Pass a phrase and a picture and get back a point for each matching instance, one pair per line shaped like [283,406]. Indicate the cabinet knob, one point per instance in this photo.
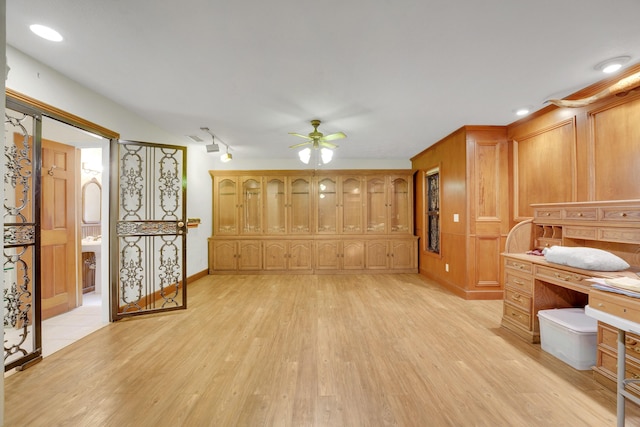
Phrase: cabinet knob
[579,213]
[623,214]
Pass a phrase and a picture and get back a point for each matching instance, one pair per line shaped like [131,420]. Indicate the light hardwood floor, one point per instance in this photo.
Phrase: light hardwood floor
[362,350]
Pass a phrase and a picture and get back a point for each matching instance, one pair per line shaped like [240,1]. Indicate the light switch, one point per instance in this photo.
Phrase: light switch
[456,218]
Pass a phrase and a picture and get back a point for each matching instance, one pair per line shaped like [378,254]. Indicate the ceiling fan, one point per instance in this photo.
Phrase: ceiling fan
[317,139]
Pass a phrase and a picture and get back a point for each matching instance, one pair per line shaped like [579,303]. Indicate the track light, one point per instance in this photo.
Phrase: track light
[226,157]
[215,147]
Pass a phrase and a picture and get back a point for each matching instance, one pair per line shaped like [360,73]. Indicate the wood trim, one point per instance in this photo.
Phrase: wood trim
[311,173]
[198,275]
[58,114]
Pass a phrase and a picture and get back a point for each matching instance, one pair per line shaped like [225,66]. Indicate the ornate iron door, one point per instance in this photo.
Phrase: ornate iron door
[21,260]
[149,225]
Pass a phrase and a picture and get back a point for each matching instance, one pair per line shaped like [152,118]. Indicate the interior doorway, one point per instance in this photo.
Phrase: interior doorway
[78,300]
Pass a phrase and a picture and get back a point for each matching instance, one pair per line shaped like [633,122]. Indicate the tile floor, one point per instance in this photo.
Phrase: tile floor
[64,329]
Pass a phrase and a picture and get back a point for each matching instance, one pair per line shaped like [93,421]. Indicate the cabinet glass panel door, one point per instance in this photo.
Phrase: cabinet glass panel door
[251,206]
[275,205]
[327,206]
[376,206]
[300,206]
[227,209]
[351,205]
[399,197]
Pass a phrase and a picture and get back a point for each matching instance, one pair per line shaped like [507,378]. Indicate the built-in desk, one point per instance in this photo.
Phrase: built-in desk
[622,313]
[532,284]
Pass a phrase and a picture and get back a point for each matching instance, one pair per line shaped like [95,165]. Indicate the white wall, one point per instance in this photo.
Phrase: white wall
[38,81]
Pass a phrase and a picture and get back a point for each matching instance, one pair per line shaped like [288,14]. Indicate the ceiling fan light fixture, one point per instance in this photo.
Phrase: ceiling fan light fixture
[612,65]
[326,155]
[305,155]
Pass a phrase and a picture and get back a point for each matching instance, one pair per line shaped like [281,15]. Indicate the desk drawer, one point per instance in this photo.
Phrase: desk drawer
[618,305]
[522,284]
[523,266]
[563,278]
[620,214]
[542,214]
[587,214]
[622,235]
[608,338]
[518,316]
[518,299]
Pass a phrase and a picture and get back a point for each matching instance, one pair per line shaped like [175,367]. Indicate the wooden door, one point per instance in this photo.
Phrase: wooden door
[299,256]
[328,255]
[353,255]
[377,255]
[275,255]
[59,255]
[224,255]
[249,255]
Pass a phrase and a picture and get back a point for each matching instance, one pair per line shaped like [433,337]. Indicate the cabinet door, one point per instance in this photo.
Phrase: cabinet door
[225,218]
[275,202]
[403,254]
[251,205]
[353,255]
[377,255]
[299,205]
[328,255]
[327,202]
[376,205]
[275,255]
[249,255]
[400,189]
[299,256]
[224,255]
[351,205]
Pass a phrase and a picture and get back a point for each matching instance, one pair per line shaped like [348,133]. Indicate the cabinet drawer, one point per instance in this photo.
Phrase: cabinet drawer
[518,316]
[618,305]
[542,242]
[519,283]
[581,214]
[609,363]
[620,214]
[543,214]
[622,235]
[608,338]
[563,278]
[518,299]
[518,265]
[589,233]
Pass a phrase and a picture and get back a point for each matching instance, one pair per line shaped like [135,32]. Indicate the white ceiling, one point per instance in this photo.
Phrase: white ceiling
[395,76]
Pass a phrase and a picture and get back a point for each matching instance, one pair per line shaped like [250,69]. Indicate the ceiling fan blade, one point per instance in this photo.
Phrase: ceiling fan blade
[328,144]
[300,145]
[334,136]
[300,135]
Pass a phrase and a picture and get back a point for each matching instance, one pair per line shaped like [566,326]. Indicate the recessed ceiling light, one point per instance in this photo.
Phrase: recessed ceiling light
[612,65]
[46,32]
[522,111]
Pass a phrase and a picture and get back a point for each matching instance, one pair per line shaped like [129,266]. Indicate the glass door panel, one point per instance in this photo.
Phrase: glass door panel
[251,205]
[227,208]
[327,206]
[351,205]
[275,203]
[399,205]
[376,206]
[300,206]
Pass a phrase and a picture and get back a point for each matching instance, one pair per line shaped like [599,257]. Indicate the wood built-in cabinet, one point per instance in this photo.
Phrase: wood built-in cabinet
[313,221]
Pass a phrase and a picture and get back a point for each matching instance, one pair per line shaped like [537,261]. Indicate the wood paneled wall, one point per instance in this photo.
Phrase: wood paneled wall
[473,165]
[590,153]
[490,176]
